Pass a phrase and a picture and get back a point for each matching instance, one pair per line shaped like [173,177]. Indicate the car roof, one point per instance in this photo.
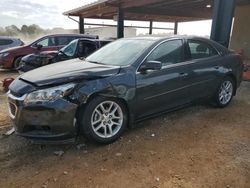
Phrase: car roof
[159,38]
[8,37]
[78,35]
[101,40]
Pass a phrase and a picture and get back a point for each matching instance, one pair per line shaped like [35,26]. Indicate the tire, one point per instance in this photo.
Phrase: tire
[103,120]
[16,63]
[225,92]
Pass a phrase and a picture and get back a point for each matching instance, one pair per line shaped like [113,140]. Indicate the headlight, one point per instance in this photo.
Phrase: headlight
[4,54]
[50,94]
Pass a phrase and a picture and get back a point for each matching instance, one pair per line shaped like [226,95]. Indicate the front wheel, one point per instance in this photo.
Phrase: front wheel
[225,92]
[17,62]
[103,120]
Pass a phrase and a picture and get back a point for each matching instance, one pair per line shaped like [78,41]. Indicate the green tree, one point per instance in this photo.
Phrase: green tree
[12,30]
[24,30]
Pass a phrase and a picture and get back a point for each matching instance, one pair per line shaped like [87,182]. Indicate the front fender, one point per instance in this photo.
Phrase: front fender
[120,86]
[85,90]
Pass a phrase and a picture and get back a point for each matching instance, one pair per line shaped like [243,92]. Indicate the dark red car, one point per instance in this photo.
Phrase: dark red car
[10,58]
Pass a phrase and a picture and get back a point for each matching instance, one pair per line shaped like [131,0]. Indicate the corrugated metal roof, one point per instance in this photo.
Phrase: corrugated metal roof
[145,10]
[85,7]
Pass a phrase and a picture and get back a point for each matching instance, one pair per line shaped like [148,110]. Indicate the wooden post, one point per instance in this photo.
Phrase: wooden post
[175,27]
[81,25]
[150,27]
[120,23]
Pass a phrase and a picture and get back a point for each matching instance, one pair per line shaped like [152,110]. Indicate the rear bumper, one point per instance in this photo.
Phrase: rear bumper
[240,75]
[49,121]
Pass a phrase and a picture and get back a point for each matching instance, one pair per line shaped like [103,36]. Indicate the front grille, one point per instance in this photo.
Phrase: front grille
[12,110]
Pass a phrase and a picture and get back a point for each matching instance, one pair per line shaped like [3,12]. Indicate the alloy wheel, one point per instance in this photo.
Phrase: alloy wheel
[107,119]
[226,92]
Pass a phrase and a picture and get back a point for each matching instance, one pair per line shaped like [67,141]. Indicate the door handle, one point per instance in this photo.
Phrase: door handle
[183,75]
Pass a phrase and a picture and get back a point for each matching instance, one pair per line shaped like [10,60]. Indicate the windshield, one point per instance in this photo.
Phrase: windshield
[70,49]
[122,52]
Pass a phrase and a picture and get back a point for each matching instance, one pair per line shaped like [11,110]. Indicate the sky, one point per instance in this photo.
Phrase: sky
[48,14]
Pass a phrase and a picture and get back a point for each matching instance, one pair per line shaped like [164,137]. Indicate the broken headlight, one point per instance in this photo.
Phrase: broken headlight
[50,94]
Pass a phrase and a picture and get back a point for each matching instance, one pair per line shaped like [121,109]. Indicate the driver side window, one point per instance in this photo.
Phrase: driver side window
[44,42]
[170,52]
[47,42]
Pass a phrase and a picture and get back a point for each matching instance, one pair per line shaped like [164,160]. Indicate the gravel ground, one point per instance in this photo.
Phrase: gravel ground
[197,147]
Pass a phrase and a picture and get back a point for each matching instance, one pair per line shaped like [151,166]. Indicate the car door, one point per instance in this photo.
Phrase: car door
[204,66]
[164,89]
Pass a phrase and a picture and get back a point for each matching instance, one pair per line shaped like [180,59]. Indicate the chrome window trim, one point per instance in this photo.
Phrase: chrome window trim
[189,62]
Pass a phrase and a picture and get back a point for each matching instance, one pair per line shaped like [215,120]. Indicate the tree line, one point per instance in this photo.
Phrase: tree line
[27,32]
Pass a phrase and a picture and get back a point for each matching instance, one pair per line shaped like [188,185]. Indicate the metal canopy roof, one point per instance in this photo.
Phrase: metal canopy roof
[146,10]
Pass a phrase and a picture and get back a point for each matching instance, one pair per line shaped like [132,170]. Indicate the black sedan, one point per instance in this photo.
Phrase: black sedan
[124,82]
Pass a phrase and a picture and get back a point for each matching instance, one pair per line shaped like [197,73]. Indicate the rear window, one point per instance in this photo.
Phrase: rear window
[4,42]
[200,49]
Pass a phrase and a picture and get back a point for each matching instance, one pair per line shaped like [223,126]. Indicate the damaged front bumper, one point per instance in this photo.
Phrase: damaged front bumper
[49,120]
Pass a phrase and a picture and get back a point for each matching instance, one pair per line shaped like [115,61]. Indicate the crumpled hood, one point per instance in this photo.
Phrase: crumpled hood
[43,54]
[68,71]
[32,58]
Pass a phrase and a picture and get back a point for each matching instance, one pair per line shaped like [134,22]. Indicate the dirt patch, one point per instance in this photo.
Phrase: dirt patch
[200,146]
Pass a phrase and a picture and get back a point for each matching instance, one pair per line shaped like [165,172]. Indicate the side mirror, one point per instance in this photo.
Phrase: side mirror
[150,65]
[39,46]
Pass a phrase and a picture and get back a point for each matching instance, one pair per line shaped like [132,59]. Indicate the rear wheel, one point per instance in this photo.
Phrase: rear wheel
[103,120]
[225,92]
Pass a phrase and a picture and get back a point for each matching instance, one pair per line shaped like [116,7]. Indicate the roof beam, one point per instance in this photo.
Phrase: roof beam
[138,3]
[180,3]
[170,12]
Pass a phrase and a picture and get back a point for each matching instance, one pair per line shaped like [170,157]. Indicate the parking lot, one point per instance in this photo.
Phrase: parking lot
[199,146]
